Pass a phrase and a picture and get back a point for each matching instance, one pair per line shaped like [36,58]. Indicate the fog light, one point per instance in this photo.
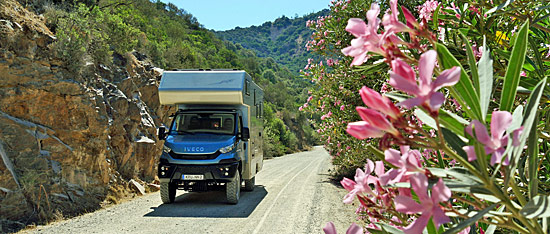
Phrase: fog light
[226,174]
[162,173]
[227,169]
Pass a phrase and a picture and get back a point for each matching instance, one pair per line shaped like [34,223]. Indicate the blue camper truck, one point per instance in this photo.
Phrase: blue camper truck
[215,138]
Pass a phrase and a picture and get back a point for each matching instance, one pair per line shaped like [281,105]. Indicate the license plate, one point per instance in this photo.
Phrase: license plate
[193,177]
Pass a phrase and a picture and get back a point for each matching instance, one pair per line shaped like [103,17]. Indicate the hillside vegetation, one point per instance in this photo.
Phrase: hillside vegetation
[79,101]
[172,38]
[284,39]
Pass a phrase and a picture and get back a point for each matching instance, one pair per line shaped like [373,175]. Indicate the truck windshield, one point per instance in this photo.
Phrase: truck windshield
[191,123]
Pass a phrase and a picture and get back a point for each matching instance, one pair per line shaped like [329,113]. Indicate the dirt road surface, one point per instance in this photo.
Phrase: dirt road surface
[293,194]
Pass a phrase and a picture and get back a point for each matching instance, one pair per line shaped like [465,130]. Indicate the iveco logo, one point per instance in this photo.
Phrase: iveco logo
[193,149]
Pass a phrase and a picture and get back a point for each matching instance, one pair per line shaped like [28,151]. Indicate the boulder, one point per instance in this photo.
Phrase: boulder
[153,187]
[137,187]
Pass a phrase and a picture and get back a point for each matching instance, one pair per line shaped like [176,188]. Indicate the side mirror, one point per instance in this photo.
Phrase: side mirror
[246,134]
[162,133]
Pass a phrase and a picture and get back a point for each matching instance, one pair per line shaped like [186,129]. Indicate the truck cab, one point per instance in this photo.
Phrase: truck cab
[214,139]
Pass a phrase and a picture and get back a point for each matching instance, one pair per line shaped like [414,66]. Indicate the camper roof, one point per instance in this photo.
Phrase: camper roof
[217,87]
[214,80]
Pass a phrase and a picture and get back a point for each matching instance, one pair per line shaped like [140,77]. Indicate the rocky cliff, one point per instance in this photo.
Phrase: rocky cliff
[69,141]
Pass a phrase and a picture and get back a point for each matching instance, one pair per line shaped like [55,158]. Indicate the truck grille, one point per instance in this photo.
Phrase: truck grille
[194,156]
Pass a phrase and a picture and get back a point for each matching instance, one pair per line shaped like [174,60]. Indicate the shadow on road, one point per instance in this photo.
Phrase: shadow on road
[210,205]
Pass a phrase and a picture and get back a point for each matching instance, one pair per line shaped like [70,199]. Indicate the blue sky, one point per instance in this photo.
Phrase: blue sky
[228,14]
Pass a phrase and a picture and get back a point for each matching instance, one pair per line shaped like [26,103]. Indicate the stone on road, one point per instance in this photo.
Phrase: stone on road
[293,194]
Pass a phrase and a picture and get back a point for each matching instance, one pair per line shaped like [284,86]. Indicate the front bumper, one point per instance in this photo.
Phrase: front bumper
[222,172]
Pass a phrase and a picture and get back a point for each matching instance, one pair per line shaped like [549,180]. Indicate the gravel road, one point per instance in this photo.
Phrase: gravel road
[293,194]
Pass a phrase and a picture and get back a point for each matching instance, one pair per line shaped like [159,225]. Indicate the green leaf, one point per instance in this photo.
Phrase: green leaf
[375,151]
[491,229]
[538,58]
[533,154]
[468,222]
[481,157]
[464,32]
[431,226]
[436,16]
[528,121]
[455,142]
[539,19]
[447,119]
[425,118]
[459,173]
[517,119]
[397,96]
[384,229]
[452,122]
[472,61]
[512,77]
[499,7]
[463,91]
[538,207]
[485,79]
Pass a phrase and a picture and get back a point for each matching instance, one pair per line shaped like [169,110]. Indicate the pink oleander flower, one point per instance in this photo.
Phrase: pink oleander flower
[391,22]
[403,78]
[353,229]
[465,231]
[478,52]
[384,88]
[455,9]
[367,37]
[429,205]
[407,163]
[374,100]
[496,143]
[426,10]
[361,184]
[301,108]
[374,124]
[522,73]
[327,115]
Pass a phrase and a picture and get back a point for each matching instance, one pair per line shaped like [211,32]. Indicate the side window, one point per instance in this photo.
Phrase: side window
[246,84]
[240,124]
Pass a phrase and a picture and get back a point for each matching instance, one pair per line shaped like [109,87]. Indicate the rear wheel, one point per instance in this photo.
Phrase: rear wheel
[167,192]
[249,184]
[233,189]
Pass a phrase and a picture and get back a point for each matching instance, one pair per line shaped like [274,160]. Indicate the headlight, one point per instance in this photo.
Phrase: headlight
[227,149]
[166,149]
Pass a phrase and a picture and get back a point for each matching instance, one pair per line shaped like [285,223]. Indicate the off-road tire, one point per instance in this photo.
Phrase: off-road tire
[167,192]
[249,184]
[233,189]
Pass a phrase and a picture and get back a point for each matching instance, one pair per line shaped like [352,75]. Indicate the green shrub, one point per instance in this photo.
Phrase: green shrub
[90,33]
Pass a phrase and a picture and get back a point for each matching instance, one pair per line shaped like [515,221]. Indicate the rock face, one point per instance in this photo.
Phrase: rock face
[68,141]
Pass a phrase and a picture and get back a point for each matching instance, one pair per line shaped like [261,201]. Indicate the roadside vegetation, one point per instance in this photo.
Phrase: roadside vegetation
[97,32]
[440,110]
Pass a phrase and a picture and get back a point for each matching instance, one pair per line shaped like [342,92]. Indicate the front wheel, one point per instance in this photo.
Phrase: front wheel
[249,184]
[233,189]
[167,192]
